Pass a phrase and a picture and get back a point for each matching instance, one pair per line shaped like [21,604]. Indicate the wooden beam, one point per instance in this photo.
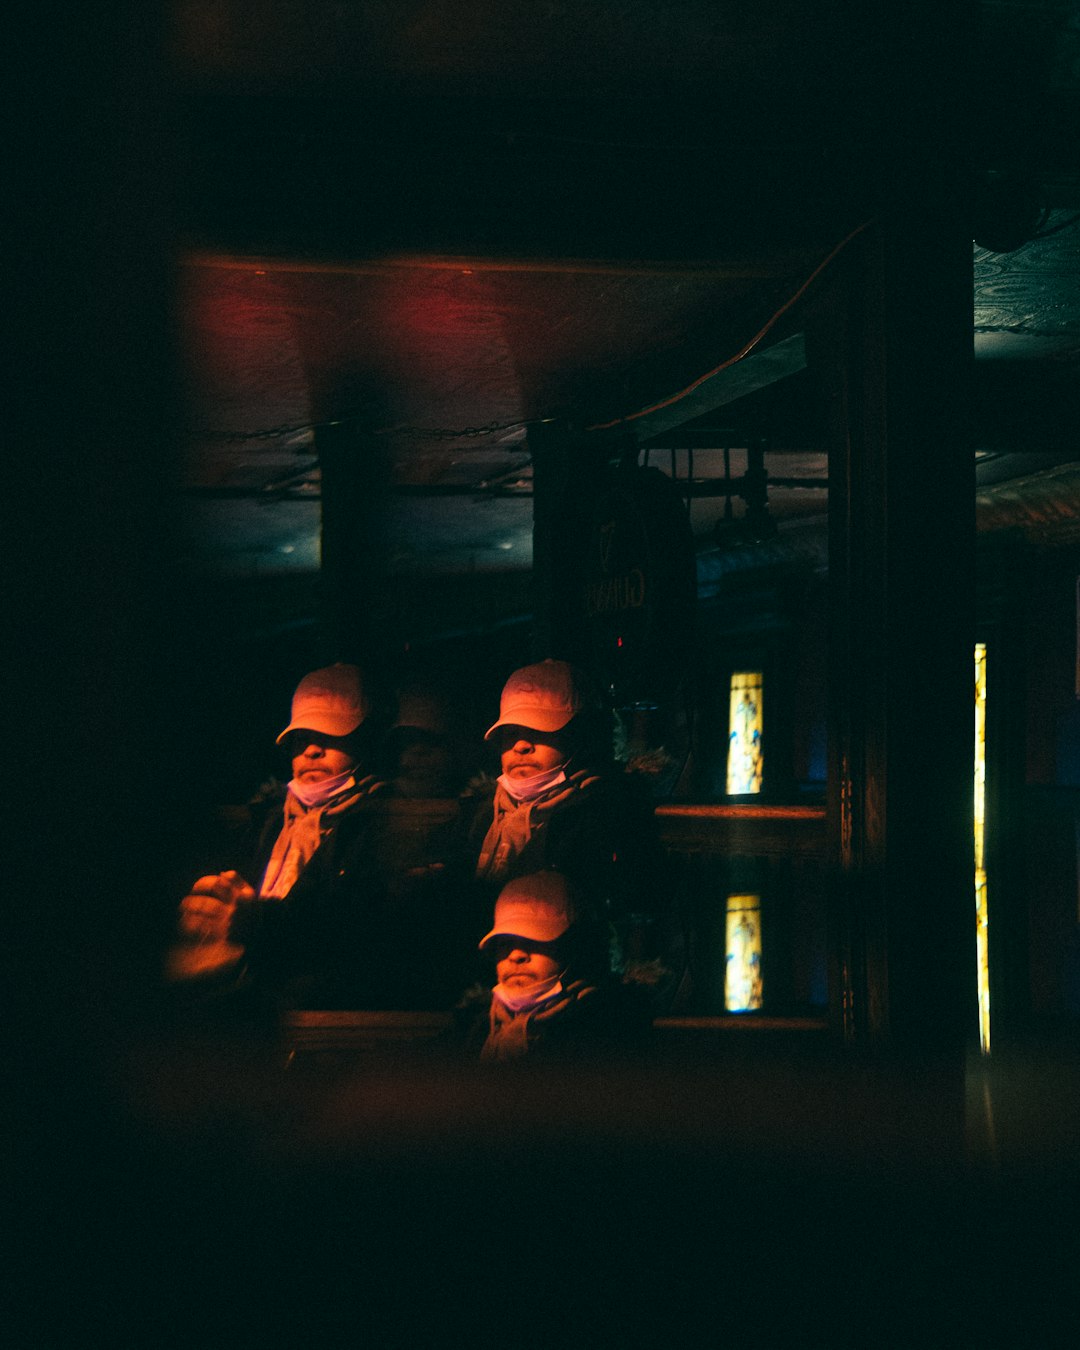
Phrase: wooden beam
[744,377]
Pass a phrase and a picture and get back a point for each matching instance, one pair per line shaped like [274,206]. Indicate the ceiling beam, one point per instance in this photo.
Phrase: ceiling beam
[722,438]
[731,383]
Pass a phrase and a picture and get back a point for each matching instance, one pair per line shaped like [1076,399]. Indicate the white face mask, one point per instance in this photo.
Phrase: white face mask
[533,996]
[528,789]
[318,794]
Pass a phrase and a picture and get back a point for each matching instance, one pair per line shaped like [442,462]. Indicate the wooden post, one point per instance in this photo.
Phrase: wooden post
[902,629]
[356,616]
[567,474]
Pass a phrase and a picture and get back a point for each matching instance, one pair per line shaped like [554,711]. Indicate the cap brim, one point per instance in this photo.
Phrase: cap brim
[546,936]
[328,727]
[532,719]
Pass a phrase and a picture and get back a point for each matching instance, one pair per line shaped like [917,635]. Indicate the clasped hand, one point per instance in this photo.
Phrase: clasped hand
[206,912]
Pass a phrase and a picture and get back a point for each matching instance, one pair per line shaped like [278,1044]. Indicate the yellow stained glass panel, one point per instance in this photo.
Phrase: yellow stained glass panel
[742,972]
[745,763]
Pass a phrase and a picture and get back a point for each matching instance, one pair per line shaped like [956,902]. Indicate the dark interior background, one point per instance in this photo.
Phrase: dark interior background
[165,154]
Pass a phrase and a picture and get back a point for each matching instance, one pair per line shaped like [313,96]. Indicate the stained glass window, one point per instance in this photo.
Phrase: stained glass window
[745,760]
[982,951]
[742,973]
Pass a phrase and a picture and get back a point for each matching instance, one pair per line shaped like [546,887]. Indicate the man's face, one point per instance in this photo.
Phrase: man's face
[520,963]
[525,753]
[316,756]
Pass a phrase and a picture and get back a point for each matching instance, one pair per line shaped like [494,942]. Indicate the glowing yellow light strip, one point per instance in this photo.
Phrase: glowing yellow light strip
[982,949]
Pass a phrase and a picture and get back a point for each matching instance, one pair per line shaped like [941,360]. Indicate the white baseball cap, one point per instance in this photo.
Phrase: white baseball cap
[542,697]
[538,908]
[332,700]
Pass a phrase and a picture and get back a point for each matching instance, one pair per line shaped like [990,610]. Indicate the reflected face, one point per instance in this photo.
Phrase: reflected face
[525,753]
[518,966]
[316,756]
[424,758]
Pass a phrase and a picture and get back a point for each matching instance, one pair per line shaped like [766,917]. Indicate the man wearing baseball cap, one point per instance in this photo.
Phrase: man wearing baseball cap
[305,920]
[549,806]
[554,989]
[560,804]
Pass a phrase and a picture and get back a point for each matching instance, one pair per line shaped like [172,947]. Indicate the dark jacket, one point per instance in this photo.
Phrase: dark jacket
[372,921]
[598,1021]
[602,838]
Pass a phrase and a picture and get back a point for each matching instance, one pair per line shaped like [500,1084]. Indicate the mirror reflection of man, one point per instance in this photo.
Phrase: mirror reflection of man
[559,802]
[548,808]
[554,991]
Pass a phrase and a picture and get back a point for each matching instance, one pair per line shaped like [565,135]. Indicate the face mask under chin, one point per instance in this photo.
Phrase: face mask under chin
[528,789]
[318,794]
[533,996]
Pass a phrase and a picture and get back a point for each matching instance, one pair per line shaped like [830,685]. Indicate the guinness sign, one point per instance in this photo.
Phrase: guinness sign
[637,593]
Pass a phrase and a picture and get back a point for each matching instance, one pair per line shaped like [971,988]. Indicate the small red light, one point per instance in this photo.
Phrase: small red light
[618,642]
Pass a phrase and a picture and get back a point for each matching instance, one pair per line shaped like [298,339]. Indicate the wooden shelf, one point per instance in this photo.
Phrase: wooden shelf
[743,830]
